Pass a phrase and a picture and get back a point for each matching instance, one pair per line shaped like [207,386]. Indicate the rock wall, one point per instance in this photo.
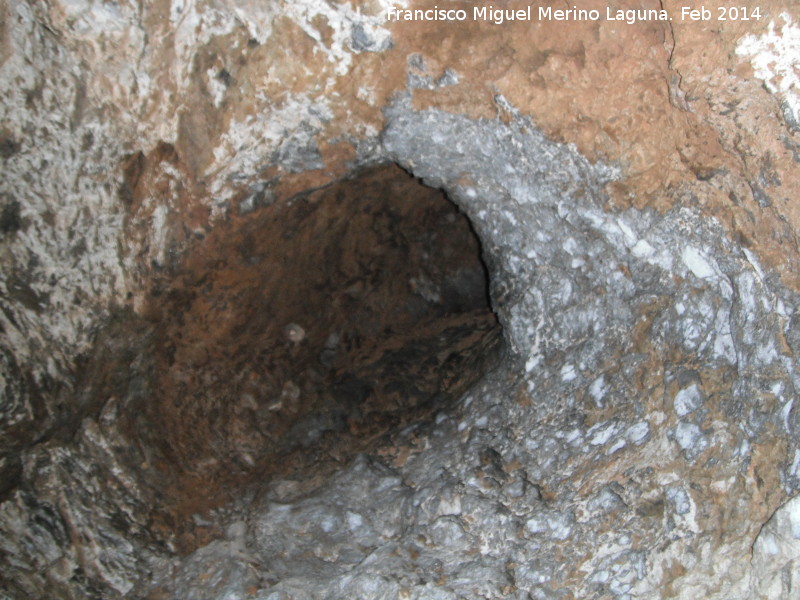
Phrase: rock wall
[632,187]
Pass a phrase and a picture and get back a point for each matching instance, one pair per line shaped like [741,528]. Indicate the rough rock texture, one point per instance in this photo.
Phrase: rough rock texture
[633,189]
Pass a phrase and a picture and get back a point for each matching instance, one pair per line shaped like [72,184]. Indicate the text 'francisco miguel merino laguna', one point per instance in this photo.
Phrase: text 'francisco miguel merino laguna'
[543,13]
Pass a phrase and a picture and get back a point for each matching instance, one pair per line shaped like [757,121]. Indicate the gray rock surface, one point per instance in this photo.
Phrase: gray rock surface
[639,439]
[618,464]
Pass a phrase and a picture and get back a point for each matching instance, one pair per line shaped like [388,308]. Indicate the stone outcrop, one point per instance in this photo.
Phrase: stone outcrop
[298,302]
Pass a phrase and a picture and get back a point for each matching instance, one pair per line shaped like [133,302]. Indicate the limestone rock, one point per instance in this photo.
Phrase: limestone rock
[246,351]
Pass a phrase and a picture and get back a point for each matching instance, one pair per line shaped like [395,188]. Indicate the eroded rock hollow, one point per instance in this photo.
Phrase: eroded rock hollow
[306,330]
[302,302]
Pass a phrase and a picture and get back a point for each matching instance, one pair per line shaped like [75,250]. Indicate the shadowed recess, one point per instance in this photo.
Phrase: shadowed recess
[293,338]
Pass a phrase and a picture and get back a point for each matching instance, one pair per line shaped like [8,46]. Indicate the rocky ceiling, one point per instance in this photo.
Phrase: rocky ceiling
[299,302]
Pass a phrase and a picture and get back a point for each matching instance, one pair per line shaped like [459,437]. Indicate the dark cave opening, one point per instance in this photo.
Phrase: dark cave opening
[291,339]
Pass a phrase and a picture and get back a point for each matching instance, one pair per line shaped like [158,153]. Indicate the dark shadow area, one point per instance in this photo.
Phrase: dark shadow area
[291,339]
